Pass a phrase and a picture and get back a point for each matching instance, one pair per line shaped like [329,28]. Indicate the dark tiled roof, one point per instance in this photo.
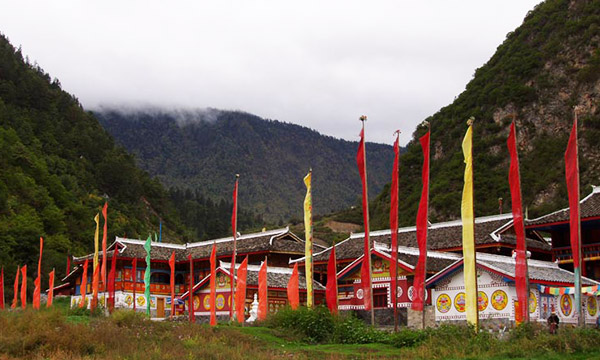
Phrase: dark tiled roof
[436,260]
[488,230]
[589,207]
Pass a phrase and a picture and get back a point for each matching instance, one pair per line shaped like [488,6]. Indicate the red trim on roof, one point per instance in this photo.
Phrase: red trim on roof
[565,222]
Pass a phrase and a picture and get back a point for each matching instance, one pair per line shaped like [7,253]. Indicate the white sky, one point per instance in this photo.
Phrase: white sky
[320,64]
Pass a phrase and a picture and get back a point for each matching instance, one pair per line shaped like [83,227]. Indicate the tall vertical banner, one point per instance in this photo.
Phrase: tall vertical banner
[16,290]
[213,285]
[422,223]
[104,237]
[234,254]
[240,291]
[112,274]
[148,248]
[514,180]
[262,292]
[2,290]
[68,265]
[192,314]
[172,282]
[134,276]
[308,246]
[96,268]
[37,290]
[83,286]
[365,272]
[293,290]
[24,286]
[331,288]
[394,230]
[468,233]
[50,289]
[572,177]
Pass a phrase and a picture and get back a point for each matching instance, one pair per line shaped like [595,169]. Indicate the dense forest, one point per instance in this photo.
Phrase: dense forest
[543,69]
[202,150]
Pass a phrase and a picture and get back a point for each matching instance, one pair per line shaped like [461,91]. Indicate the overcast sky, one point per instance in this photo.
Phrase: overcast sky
[320,64]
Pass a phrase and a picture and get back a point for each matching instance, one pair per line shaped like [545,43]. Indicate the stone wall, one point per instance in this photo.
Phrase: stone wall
[415,318]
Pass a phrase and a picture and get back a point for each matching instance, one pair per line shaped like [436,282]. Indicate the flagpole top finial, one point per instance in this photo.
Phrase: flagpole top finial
[237,175]
[471,121]
[397,132]
[363,118]
[425,123]
[309,169]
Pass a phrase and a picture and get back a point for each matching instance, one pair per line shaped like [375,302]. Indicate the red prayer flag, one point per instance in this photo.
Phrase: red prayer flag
[104,236]
[83,286]
[172,266]
[233,255]
[16,290]
[240,291]
[572,176]
[394,228]
[422,217]
[331,289]
[24,286]
[2,290]
[293,291]
[68,265]
[95,284]
[38,280]
[213,286]
[192,315]
[112,274]
[262,291]
[517,211]
[50,289]
[366,263]
[134,276]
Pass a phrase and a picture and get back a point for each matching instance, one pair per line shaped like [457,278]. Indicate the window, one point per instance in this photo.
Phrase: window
[380,298]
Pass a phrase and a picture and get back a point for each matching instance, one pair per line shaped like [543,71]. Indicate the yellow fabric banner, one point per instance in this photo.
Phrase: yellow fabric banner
[468,221]
[308,252]
[96,236]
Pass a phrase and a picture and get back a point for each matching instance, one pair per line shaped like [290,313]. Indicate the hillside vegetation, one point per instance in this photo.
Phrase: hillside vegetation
[543,69]
[202,150]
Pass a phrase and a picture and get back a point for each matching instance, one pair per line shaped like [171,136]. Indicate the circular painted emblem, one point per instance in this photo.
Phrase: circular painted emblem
[220,302]
[482,301]
[459,302]
[141,301]
[499,300]
[221,280]
[592,305]
[196,302]
[443,303]
[532,302]
[206,303]
[359,294]
[566,305]
[129,300]
[399,291]
[411,293]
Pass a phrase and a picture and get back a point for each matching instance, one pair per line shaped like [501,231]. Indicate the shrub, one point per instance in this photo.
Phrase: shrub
[350,330]
[313,325]
[127,318]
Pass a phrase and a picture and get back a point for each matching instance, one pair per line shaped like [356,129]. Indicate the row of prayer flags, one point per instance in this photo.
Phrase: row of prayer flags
[588,290]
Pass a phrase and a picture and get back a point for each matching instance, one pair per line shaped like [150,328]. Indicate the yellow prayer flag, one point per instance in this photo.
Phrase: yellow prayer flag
[96,236]
[468,221]
[308,252]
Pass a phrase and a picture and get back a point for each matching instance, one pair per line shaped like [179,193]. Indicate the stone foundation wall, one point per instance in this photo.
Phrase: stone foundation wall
[415,318]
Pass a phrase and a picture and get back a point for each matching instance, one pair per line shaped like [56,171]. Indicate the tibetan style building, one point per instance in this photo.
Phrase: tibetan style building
[278,246]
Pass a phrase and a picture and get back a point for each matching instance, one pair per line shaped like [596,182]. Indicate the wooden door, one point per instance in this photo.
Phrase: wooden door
[160,307]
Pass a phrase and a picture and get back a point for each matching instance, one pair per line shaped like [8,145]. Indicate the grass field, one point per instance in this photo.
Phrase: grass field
[63,334]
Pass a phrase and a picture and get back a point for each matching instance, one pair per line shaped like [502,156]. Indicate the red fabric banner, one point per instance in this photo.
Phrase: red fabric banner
[366,264]
[262,292]
[518,224]
[95,285]
[192,315]
[2,290]
[104,236]
[24,286]
[172,282]
[16,290]
[213,286]
[134,278]
[394,227]
[83,286]
[240,291]
[112,274]
[68,265]
[293,291]
[37,289]
[233,254]
[422,220]
[572,176]
[50,289]
[331,289]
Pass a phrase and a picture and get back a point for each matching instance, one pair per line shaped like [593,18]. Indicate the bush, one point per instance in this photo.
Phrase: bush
[127,318]
[407,338]
[312,325]
[350,330]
